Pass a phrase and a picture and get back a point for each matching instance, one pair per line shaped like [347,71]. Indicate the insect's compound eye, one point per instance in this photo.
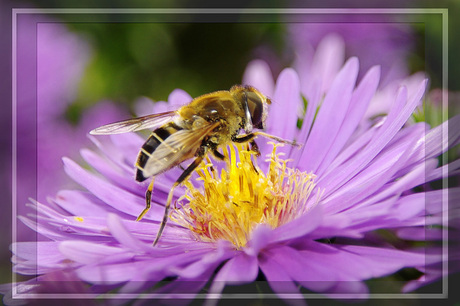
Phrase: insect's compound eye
[256,109]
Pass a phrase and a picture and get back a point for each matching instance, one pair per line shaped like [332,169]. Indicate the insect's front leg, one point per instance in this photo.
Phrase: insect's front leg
[249,137]
[278,139]
[217,154]
[245,138]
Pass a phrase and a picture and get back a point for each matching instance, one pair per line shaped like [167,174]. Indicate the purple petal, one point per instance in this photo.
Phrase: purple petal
[358,104]
[410,206]
[258,74]
[370,179]
[352,263]
[64,228]
[79,203]
[350,151]
[408,181]
[347,271]
[144,106]
[172,236]
[330,117]
[378,262]
[32,258]
[437,140]
[182,290]
[87,252]
[260,238]
[209,261]
[122,235]
[451,169]
[128,266]
[71,224]
[320,72]
[178,98]
[298,227]
[371,214]
[415,131]
[349,290]
[335,225]
[238,270]
[119,199]
[113,273]
[308,273]
[107,147]
[394,121]
[381,102]
[283,110]
[280,281]
[45,229]
[420,233]
[111,172]
[310,113]
[329,59]
[129,144]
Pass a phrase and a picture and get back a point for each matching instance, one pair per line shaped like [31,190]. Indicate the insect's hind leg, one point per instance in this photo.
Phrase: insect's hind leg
[181,178]
[148,200]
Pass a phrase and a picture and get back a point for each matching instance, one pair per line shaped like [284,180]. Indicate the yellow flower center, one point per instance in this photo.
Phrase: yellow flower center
[232,202]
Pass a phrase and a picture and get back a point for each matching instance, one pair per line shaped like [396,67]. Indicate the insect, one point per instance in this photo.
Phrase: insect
[192,131]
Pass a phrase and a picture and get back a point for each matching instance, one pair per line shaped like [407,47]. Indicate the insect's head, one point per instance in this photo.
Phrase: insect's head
[255,105]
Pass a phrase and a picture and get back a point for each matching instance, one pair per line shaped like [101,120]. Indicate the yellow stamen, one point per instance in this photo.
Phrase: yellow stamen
[233,203]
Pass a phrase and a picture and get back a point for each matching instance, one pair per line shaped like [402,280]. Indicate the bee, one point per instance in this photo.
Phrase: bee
[192,131]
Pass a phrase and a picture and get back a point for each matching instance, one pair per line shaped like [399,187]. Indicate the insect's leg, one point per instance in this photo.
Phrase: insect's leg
[249,137]
[278,139]
[254,147]
[217,154]
[243,138]
[148,199]
[181,178]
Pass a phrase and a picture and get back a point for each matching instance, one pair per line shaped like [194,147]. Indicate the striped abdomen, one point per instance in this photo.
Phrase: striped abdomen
[152,143]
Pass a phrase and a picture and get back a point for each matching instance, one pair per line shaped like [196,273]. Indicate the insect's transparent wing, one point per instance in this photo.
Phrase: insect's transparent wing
[135,124]
[176,148]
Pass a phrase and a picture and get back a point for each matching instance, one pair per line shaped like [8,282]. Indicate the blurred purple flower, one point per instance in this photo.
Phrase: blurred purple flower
[364,182]
[50,63]
[382,41]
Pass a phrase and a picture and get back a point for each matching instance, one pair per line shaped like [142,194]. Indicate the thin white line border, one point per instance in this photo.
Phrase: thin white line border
[261,11]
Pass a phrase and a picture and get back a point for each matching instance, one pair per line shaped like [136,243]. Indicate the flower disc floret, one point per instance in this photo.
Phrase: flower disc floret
[235,200]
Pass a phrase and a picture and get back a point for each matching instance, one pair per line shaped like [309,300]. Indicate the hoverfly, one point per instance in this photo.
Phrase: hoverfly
[195,129]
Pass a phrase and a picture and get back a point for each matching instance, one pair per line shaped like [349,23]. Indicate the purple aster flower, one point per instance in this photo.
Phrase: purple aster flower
[293,217]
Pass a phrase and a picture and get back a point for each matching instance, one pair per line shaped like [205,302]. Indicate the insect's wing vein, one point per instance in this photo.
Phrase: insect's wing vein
[176,148]
[135,124]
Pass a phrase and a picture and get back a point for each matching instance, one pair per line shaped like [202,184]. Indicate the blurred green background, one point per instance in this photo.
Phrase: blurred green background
[133,59]
[152,59]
